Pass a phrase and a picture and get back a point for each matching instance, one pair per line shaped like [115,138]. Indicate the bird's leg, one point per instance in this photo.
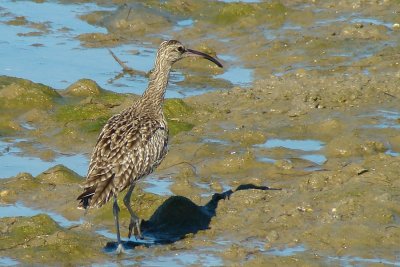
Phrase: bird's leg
[135,221]
[115,212]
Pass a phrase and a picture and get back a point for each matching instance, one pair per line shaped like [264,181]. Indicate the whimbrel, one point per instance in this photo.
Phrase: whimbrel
[133,143]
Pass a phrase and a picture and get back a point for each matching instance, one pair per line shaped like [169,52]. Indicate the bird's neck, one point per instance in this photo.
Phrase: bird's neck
[158,81]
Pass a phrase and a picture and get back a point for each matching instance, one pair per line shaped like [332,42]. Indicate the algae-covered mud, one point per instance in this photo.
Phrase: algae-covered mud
[289,156]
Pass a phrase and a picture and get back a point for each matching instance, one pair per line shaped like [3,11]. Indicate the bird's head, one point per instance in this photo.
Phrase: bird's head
[173,51]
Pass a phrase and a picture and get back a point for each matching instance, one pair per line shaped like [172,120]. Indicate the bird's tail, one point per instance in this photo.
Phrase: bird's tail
[85,197]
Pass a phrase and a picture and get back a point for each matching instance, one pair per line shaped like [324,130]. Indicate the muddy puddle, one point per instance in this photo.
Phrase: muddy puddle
[288,156]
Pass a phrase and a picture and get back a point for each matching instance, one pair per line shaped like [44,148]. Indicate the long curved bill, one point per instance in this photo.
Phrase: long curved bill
[194,53]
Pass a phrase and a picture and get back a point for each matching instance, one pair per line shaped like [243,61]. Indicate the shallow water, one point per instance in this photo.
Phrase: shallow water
[58,53]
[158,185]
[5,261]
[178,258]
[289,251]
[244,1]
[305,145]
[347,261]
[184,259]
[19,209]
[61,57]
[385,119]
[309,150]
[14,161]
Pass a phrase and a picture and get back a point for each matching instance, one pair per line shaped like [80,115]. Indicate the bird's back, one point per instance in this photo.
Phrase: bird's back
[131,145]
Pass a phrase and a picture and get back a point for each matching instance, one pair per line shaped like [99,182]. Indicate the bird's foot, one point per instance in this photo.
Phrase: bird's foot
[135,226]
[120,249]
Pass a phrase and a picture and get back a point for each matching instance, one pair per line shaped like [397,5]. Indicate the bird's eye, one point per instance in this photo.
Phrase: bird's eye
[181,49]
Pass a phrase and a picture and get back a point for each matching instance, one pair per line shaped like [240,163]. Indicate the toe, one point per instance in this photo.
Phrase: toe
[120,249]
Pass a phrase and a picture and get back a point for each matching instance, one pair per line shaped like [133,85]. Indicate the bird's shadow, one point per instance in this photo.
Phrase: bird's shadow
[177,217]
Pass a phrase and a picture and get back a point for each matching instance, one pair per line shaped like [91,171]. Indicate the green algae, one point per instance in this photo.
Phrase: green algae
[40,240]
[221,13]
[89,92]
[56,189]
[81,119]
[17,94]
[25,187]
[21,184]
[189,7]
[59,174]
[176,107]
[83,87]
[94,17]
[111,99]
[142,21]
[253,13]
[99,39]
[21,230]
[94,126]
[87,107]
[77,113]
[91,114]
[176,127]
[233,12]
[176,110]
[7,124]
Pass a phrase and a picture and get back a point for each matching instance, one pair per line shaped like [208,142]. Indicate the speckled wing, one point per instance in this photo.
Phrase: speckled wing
[128,148]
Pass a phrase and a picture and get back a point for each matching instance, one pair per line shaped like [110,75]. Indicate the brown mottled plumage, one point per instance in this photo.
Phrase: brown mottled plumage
[133,143]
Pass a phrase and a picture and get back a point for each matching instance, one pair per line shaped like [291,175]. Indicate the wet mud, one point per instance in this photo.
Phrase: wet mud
[320,121]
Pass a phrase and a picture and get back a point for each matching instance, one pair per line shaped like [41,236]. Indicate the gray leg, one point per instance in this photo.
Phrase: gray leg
[115,212]
[135,220]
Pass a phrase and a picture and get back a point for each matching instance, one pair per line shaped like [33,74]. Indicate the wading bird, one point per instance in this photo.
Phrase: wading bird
[133,143]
